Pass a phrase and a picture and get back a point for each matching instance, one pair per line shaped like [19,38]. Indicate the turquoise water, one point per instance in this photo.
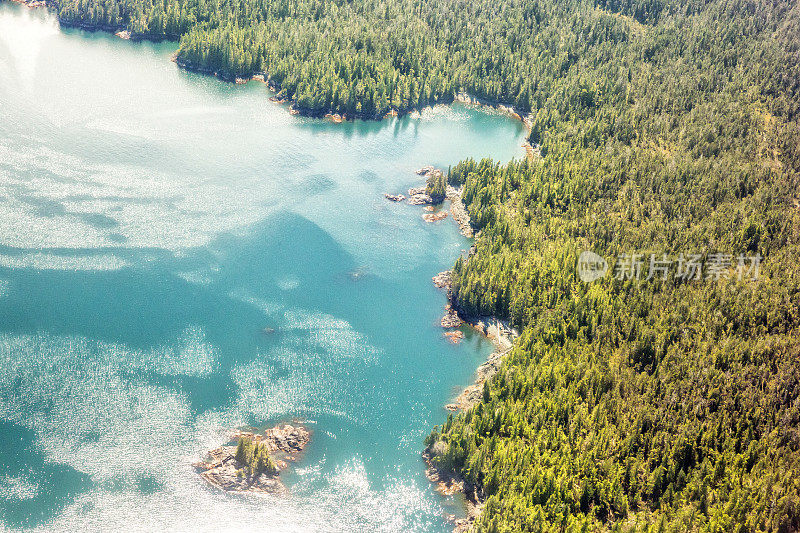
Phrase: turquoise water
[153,223]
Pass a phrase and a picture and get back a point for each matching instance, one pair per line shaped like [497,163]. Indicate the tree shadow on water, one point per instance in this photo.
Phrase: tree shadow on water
[285,261]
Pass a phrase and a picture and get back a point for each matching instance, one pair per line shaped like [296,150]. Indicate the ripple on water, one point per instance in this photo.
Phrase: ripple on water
[177,258]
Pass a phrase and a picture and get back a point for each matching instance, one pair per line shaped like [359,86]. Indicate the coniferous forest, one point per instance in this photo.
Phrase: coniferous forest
[665,127]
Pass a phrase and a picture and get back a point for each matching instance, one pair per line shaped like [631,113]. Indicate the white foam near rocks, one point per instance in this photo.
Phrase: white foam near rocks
[65,388]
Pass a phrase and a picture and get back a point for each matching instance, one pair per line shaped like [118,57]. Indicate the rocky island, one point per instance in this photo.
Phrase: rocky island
[255,462]
[436,190]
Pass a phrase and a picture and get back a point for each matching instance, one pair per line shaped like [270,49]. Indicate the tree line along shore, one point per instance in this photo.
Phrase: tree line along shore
[665,127]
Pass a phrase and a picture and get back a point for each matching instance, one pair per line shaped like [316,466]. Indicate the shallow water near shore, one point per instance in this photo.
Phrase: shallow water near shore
[180,257]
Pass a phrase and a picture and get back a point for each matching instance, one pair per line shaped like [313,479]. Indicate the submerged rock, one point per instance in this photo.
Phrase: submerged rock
[394,197]
[434,217]
[454,336]
[357,274]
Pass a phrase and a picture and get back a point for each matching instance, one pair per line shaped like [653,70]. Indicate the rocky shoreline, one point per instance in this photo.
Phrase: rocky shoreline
[275,87]
[503,336]
[294,109]
[494,329]
[448,484]
[123,32]
[420,196]
[120,31]
[459,212]
[284,443]
[466,98]
[498,331]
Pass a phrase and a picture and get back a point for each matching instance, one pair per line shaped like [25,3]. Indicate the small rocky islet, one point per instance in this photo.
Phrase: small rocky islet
[255,462]
[436,191]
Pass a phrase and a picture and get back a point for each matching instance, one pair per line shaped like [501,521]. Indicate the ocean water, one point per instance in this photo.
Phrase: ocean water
[153,223]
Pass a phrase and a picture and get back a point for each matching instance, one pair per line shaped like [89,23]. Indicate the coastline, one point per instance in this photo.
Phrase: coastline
[124,33]
[490,327]
[448,482]
[502,335]
[335,116]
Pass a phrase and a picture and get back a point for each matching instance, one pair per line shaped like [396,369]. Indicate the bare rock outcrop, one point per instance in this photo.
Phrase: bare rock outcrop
[443,280]
[451,318]
[472,394]
[394,197]
[434,217]
[419,199]
[459,212]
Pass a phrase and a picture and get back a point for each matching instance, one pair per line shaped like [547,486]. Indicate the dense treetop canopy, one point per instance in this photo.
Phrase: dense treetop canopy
[369,56]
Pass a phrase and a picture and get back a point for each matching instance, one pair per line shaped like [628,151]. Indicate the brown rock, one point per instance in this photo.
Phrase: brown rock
[472,394]
[451,318]
[459,212]
[419,199]
[434,217]
[454,336]
[443,280]
[222,470]
[394,197]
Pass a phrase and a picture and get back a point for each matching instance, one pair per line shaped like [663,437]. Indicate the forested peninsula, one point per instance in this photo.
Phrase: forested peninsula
[665,127]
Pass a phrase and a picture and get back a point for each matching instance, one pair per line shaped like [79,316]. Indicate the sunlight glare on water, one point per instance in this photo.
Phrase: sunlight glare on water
[180,257]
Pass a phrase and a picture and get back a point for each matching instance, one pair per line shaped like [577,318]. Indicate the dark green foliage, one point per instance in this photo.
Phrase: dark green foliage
[645,405]
[436,186]
[557,58]
[642,401]
[254,458]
